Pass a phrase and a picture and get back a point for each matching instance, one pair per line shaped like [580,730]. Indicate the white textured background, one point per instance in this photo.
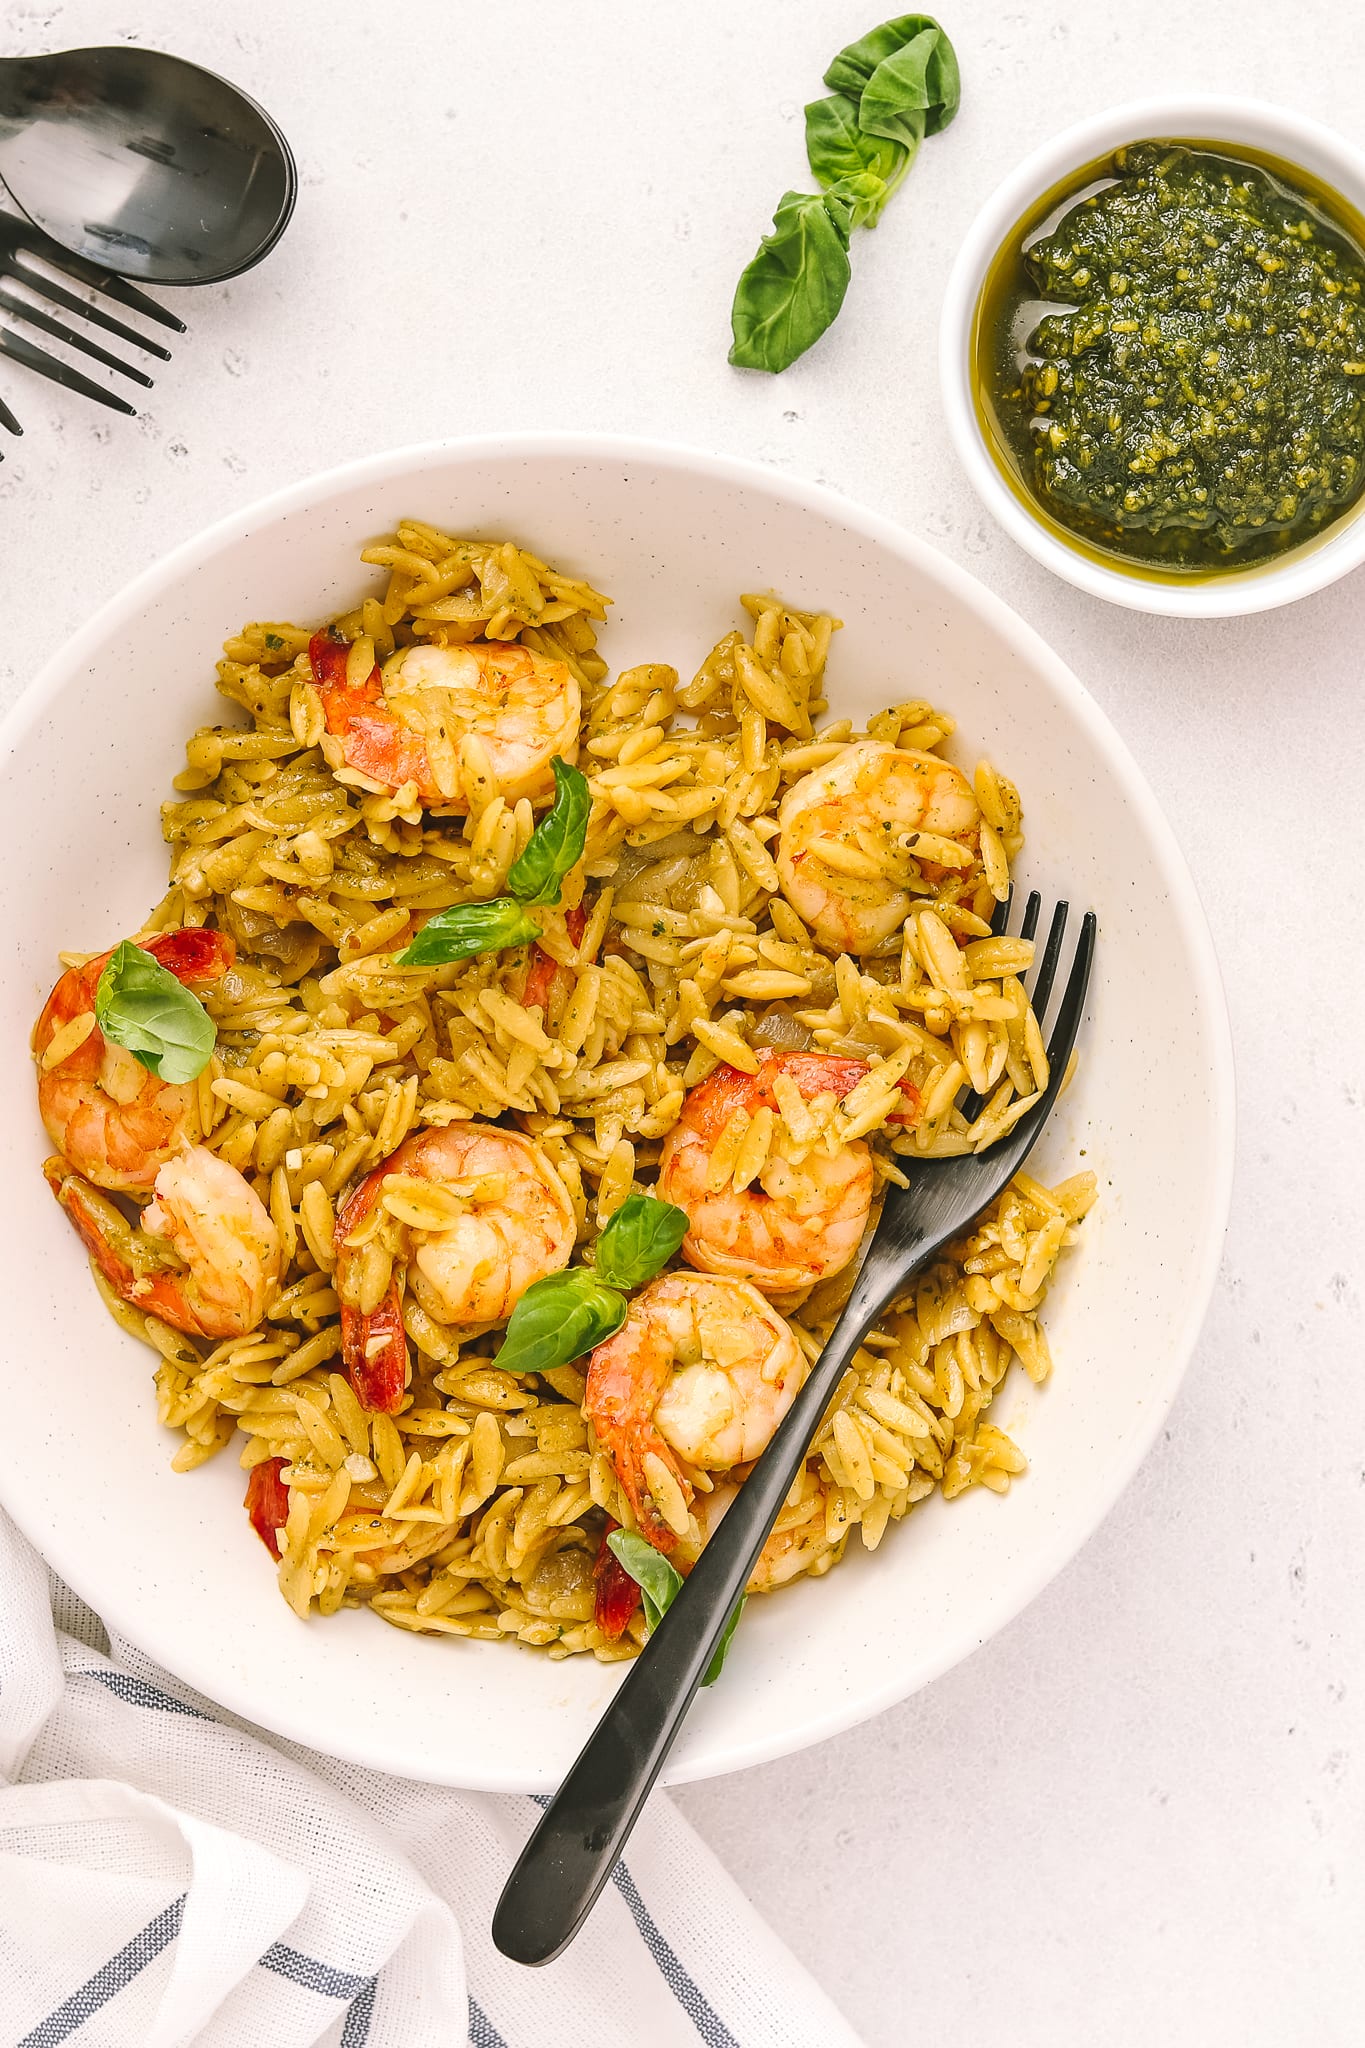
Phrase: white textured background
[1139,1815]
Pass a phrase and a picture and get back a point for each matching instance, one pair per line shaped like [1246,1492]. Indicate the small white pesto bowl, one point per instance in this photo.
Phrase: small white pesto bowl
[1236,123]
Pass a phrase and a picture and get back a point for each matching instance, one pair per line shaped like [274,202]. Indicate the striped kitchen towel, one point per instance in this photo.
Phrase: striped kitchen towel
[171,1876]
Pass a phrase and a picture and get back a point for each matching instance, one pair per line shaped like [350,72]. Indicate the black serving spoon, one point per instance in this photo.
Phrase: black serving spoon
[143,164]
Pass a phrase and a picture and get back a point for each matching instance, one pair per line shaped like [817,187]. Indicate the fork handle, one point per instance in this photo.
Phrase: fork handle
[576,1845]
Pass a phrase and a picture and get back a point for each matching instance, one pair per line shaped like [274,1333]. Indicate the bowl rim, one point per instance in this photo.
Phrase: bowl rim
[1208,117]
[158,1638]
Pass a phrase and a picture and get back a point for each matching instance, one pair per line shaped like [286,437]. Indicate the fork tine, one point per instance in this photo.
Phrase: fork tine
[1016,1147]
[46,288]
[35,317]
[23,236]
[1052,952]
[1000,916]
[1029,924]
[22,351]
[7,419]
[1069,1015]
[126,294]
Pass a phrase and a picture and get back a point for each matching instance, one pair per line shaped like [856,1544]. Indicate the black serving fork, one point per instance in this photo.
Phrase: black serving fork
[20,245]
[585,1826]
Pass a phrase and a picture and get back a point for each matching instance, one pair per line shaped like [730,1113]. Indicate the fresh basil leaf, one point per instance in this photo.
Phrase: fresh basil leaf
[717,1664]
[469,928]
[558,1319]
[557,843]
[856,202]
[841,153]
[660,1583]
[140,1005]
[638,1240]
[792,290]
[915,93]
[904,78]
[850,71]
[658,1580]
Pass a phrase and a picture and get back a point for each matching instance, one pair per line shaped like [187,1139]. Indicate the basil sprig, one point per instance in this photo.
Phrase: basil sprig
[793,289]
[557,843]
[567,1314]
[903,78]
[638,1241]
[469,928]
[660,1583]
[140,1005]
[891,88]
[535,877]
[859,171]
[558,1319]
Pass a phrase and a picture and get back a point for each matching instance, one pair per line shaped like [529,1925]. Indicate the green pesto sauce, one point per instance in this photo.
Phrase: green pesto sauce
[1173,365]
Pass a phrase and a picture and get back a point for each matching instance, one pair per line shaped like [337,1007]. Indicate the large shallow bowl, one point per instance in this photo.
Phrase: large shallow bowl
[170,1561]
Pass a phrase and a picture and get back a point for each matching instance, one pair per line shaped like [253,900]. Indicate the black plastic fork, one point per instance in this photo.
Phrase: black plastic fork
[20,244]
[585,1827]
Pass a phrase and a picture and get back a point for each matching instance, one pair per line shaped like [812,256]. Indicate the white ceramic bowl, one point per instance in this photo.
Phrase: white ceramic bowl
[1250,124]
[170,1561]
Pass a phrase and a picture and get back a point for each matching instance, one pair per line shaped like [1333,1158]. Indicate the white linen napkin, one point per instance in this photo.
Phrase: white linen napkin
[169,1875]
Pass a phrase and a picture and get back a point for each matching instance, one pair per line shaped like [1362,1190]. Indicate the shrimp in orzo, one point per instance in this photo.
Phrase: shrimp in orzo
[854,834]
[109,1117]
[800,1539]
[802,1217]
[207,1255]
[695,1381]
[402,724]
[465,1217]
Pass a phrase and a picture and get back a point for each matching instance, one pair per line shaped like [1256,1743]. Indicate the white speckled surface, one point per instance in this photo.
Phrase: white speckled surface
[1139,1814]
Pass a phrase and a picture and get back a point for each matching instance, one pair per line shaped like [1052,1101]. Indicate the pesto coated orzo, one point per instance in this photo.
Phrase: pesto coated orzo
[483,1127]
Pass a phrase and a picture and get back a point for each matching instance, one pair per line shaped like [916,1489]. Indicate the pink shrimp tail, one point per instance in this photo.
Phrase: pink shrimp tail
[374,1346]
[330,655]
[374,1350]
[373,741]
[626,1375]
[165,1294]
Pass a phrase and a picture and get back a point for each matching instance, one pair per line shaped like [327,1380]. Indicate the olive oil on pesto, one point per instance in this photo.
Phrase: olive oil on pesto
[1170,358]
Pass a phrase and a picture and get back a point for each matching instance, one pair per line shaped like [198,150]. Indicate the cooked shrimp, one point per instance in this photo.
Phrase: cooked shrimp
[799,1221]
[847,831]
[700,1374]
[404,723]
[466,1217]
[798,1541]
[206,1257]
[110,1118]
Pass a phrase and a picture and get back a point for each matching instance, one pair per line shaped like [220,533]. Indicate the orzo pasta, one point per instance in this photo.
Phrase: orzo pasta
[765,990]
